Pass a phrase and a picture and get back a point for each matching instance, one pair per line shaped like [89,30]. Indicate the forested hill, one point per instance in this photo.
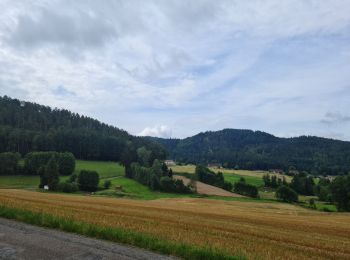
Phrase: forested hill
[248,149]
[26,127]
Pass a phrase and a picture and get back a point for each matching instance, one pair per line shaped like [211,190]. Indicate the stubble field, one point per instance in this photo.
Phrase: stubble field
[252,229]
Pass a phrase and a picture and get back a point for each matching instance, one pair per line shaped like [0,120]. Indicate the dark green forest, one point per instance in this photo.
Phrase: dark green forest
[27,127]
[255,150]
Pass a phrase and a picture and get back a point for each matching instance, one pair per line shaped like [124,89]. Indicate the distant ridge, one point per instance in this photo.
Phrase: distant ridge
[247,149]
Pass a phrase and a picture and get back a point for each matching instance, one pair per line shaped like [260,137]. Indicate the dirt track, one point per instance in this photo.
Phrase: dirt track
[203,188]
[22,241]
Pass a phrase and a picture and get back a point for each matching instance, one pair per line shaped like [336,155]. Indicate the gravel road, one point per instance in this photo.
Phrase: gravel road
[22,241]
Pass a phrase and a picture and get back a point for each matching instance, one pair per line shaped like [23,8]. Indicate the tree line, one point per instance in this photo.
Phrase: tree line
[27,127]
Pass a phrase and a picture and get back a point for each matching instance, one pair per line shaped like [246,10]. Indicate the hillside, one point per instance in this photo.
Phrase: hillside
[26,126]
[254,150]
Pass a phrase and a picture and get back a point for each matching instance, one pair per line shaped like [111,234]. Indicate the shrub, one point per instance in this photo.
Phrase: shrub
[286,194]
[88,180]
[9,163]
[107,184]
[67,187]
[246,189]
[73,178]
[228,186]
[66,162]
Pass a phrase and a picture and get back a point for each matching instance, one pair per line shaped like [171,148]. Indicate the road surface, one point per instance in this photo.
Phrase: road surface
[22,241]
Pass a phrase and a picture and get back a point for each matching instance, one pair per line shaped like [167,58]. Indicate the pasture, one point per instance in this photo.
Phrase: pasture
[254,230]
[105,170]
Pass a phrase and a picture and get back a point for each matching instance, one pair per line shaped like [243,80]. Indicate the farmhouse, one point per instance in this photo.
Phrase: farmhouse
[169,163]
[214,165]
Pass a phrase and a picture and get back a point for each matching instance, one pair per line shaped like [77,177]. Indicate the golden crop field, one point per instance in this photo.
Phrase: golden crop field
[254,229]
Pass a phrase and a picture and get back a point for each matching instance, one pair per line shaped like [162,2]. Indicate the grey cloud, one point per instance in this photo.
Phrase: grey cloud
[335,118]
[61,28]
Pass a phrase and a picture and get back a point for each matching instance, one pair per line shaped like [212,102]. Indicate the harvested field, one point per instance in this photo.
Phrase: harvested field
[206,189]
[256,230]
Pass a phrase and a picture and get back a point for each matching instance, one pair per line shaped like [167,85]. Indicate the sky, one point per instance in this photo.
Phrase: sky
[176,68]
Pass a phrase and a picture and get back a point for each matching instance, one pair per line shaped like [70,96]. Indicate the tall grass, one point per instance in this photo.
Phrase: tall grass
[114,234]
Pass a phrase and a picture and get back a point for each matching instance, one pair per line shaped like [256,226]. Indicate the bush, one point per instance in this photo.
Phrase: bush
[9,163]
[49,175]
[286,194]
[67,187]
[66,162]
[88,180]
[246,189]
[107,184]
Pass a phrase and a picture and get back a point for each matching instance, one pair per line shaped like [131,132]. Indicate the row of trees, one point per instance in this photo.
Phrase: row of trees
[9,163]
[272,181]
[246,189]
[157,177]
[204,174]
[34,160]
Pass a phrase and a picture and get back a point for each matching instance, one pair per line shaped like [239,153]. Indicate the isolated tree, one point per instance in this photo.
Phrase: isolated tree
[340,190]
[144,156]
[286,194]
[49,175]
[66,162]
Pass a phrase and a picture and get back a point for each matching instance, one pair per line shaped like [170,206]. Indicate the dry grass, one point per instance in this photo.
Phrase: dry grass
[257,230]
[206,189]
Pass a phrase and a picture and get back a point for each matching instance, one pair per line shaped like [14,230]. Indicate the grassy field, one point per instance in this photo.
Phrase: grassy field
[105,170]
[29,182]
[135,190]
[255,230]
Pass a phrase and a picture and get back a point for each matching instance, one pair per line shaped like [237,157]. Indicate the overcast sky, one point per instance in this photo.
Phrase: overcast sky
[176,68]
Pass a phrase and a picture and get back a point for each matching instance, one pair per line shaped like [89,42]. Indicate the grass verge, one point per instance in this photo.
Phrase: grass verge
[145,241]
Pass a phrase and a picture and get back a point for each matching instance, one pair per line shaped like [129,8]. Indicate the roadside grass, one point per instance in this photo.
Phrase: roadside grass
[119,235]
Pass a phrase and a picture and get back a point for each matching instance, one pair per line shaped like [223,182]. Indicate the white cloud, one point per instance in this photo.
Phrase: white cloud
[194,66]
[157,131]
